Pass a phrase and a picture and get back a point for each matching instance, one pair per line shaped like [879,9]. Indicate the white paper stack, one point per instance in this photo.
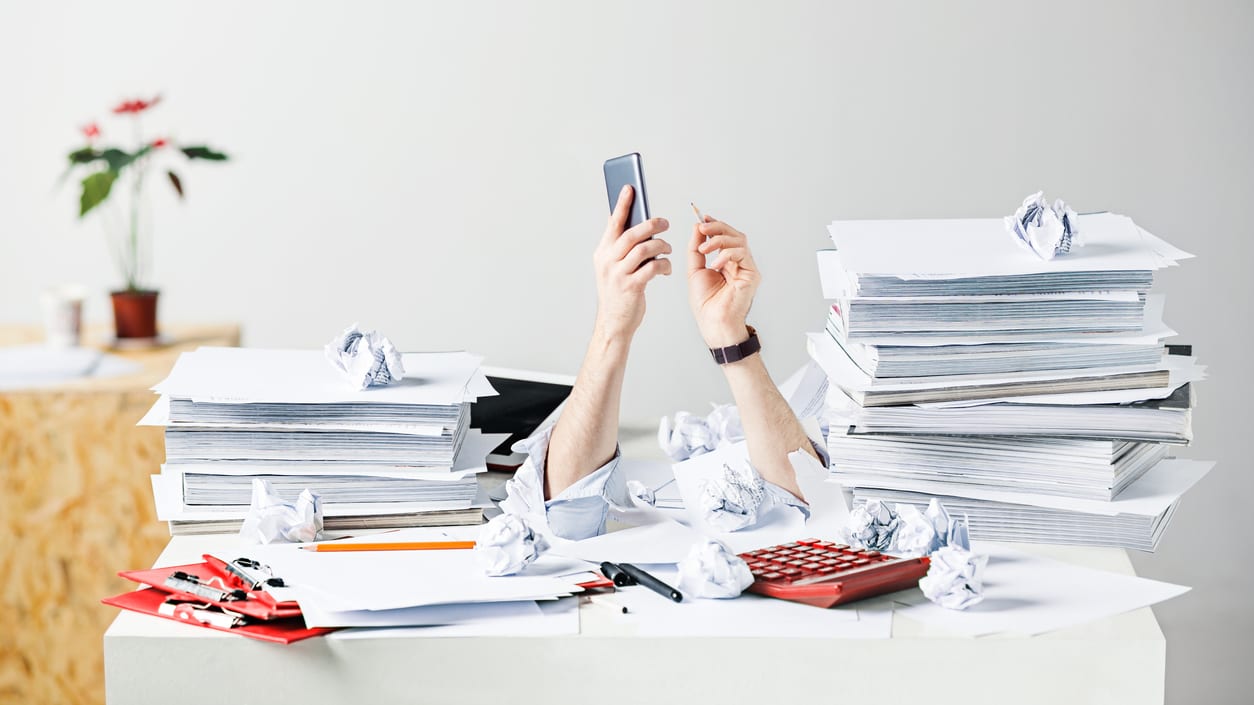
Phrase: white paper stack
[379,458]
[1023,391]
[1135,519]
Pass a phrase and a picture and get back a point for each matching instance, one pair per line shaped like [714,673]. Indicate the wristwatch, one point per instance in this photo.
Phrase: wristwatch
[736,353]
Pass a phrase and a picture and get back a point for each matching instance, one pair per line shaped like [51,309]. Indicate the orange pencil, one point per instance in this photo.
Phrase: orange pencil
[393,546]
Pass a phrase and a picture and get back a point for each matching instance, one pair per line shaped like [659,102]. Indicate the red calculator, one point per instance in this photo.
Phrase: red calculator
[825,574]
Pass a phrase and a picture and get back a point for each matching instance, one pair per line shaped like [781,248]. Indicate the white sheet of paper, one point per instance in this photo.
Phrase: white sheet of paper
[385,580]
[30,366]
[159,415]
[1150,495]
[167,491]
[554,618]
[1030,594]
[781,524]
[749,615]
[244,375]
[657,542]
[845,373]
[944,247]
[416,616]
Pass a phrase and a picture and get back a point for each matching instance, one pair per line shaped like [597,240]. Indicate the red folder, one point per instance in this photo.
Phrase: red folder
[150,600]
[259,605]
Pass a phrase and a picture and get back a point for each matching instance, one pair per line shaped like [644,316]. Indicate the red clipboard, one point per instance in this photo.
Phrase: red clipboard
[259,604]
[151,600]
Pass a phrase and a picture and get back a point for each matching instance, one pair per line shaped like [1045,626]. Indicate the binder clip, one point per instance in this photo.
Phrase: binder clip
[200,614]
[193,585]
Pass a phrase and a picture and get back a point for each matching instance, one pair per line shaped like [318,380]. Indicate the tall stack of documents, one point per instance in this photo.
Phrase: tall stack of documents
[379,458]
[1028,394]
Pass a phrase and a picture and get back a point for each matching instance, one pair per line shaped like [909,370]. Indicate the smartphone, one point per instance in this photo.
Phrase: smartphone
[622,171]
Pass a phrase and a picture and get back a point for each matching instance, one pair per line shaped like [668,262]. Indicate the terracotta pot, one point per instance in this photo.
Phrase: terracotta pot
[135,314]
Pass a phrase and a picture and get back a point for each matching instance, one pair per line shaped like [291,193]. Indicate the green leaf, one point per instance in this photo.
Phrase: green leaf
[176,182]
[117,159]
[96,189]
[202,152]
[84,155]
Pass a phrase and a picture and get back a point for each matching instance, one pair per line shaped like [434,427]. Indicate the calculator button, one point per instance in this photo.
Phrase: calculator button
[808,542]
[771,576]
[790,571]
[825,569]
[811,566]
[860,561]
[871,554]
[829,561]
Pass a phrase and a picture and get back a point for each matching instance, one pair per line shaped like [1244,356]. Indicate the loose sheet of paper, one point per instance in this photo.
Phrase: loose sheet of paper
[551,618]
[1030,594]
[244,375]
[749,615]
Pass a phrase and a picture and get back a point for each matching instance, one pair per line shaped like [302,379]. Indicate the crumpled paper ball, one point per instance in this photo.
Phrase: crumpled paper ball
[688,436]
[711,570]
[735,500]
[949,531]
[915,535]
[872,526]
[955,578]
[272,520]
[365,359]
[903,530]
[1046,230]
[641,492]
[507,544]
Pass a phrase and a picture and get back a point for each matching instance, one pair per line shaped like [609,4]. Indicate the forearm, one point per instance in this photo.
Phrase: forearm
[772,430]
[586,434]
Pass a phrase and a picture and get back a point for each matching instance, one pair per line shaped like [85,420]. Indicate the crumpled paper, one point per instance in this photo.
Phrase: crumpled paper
[872,526]
[711,570]
[641,492]
[735,500]
[507,544]
[955,578]
[366,359]
[903,530]
[688,435]
[272,520]
[1046,230]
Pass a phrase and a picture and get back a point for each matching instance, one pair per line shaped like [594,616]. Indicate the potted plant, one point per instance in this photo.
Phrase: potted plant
[112,170]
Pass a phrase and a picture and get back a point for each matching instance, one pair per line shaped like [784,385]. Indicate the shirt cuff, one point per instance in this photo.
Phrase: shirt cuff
[580,510]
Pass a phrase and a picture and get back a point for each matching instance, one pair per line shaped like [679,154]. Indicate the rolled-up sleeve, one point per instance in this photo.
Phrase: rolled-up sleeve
[580,511]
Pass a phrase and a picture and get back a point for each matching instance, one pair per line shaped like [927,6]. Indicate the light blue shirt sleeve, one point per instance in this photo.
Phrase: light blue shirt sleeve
[580,511]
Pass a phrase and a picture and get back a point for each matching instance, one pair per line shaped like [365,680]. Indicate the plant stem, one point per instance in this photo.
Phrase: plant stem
[132,269]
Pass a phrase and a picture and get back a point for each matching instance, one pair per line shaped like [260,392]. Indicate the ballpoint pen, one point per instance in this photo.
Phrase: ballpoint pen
[651,582]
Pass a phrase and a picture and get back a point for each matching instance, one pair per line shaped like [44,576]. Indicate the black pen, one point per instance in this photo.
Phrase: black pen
[616,574]
[651,582]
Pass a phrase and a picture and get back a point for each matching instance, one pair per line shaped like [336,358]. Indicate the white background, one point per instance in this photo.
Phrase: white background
[433,170]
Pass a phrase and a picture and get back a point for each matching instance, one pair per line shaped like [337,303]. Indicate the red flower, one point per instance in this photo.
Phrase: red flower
[159,143]
[136,106]
[91,131]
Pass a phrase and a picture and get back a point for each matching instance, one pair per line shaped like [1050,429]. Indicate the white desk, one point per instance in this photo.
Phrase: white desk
[1116,660]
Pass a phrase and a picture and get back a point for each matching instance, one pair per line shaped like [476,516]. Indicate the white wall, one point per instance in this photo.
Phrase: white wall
[433,170]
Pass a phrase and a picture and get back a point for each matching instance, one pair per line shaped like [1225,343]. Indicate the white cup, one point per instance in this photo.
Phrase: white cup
[63,316]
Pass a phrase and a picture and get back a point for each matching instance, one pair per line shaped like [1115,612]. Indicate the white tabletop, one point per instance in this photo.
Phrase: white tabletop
[1119,659]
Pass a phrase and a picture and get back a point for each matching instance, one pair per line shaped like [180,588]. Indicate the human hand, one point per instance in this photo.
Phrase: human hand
[625,261]
[721,294]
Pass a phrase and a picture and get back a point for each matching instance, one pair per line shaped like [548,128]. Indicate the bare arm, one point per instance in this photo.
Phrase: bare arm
[721,295]
[586,435]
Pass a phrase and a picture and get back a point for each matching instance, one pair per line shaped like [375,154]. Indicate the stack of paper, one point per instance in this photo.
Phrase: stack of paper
[1135,519]
[379,458]
[962,365]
